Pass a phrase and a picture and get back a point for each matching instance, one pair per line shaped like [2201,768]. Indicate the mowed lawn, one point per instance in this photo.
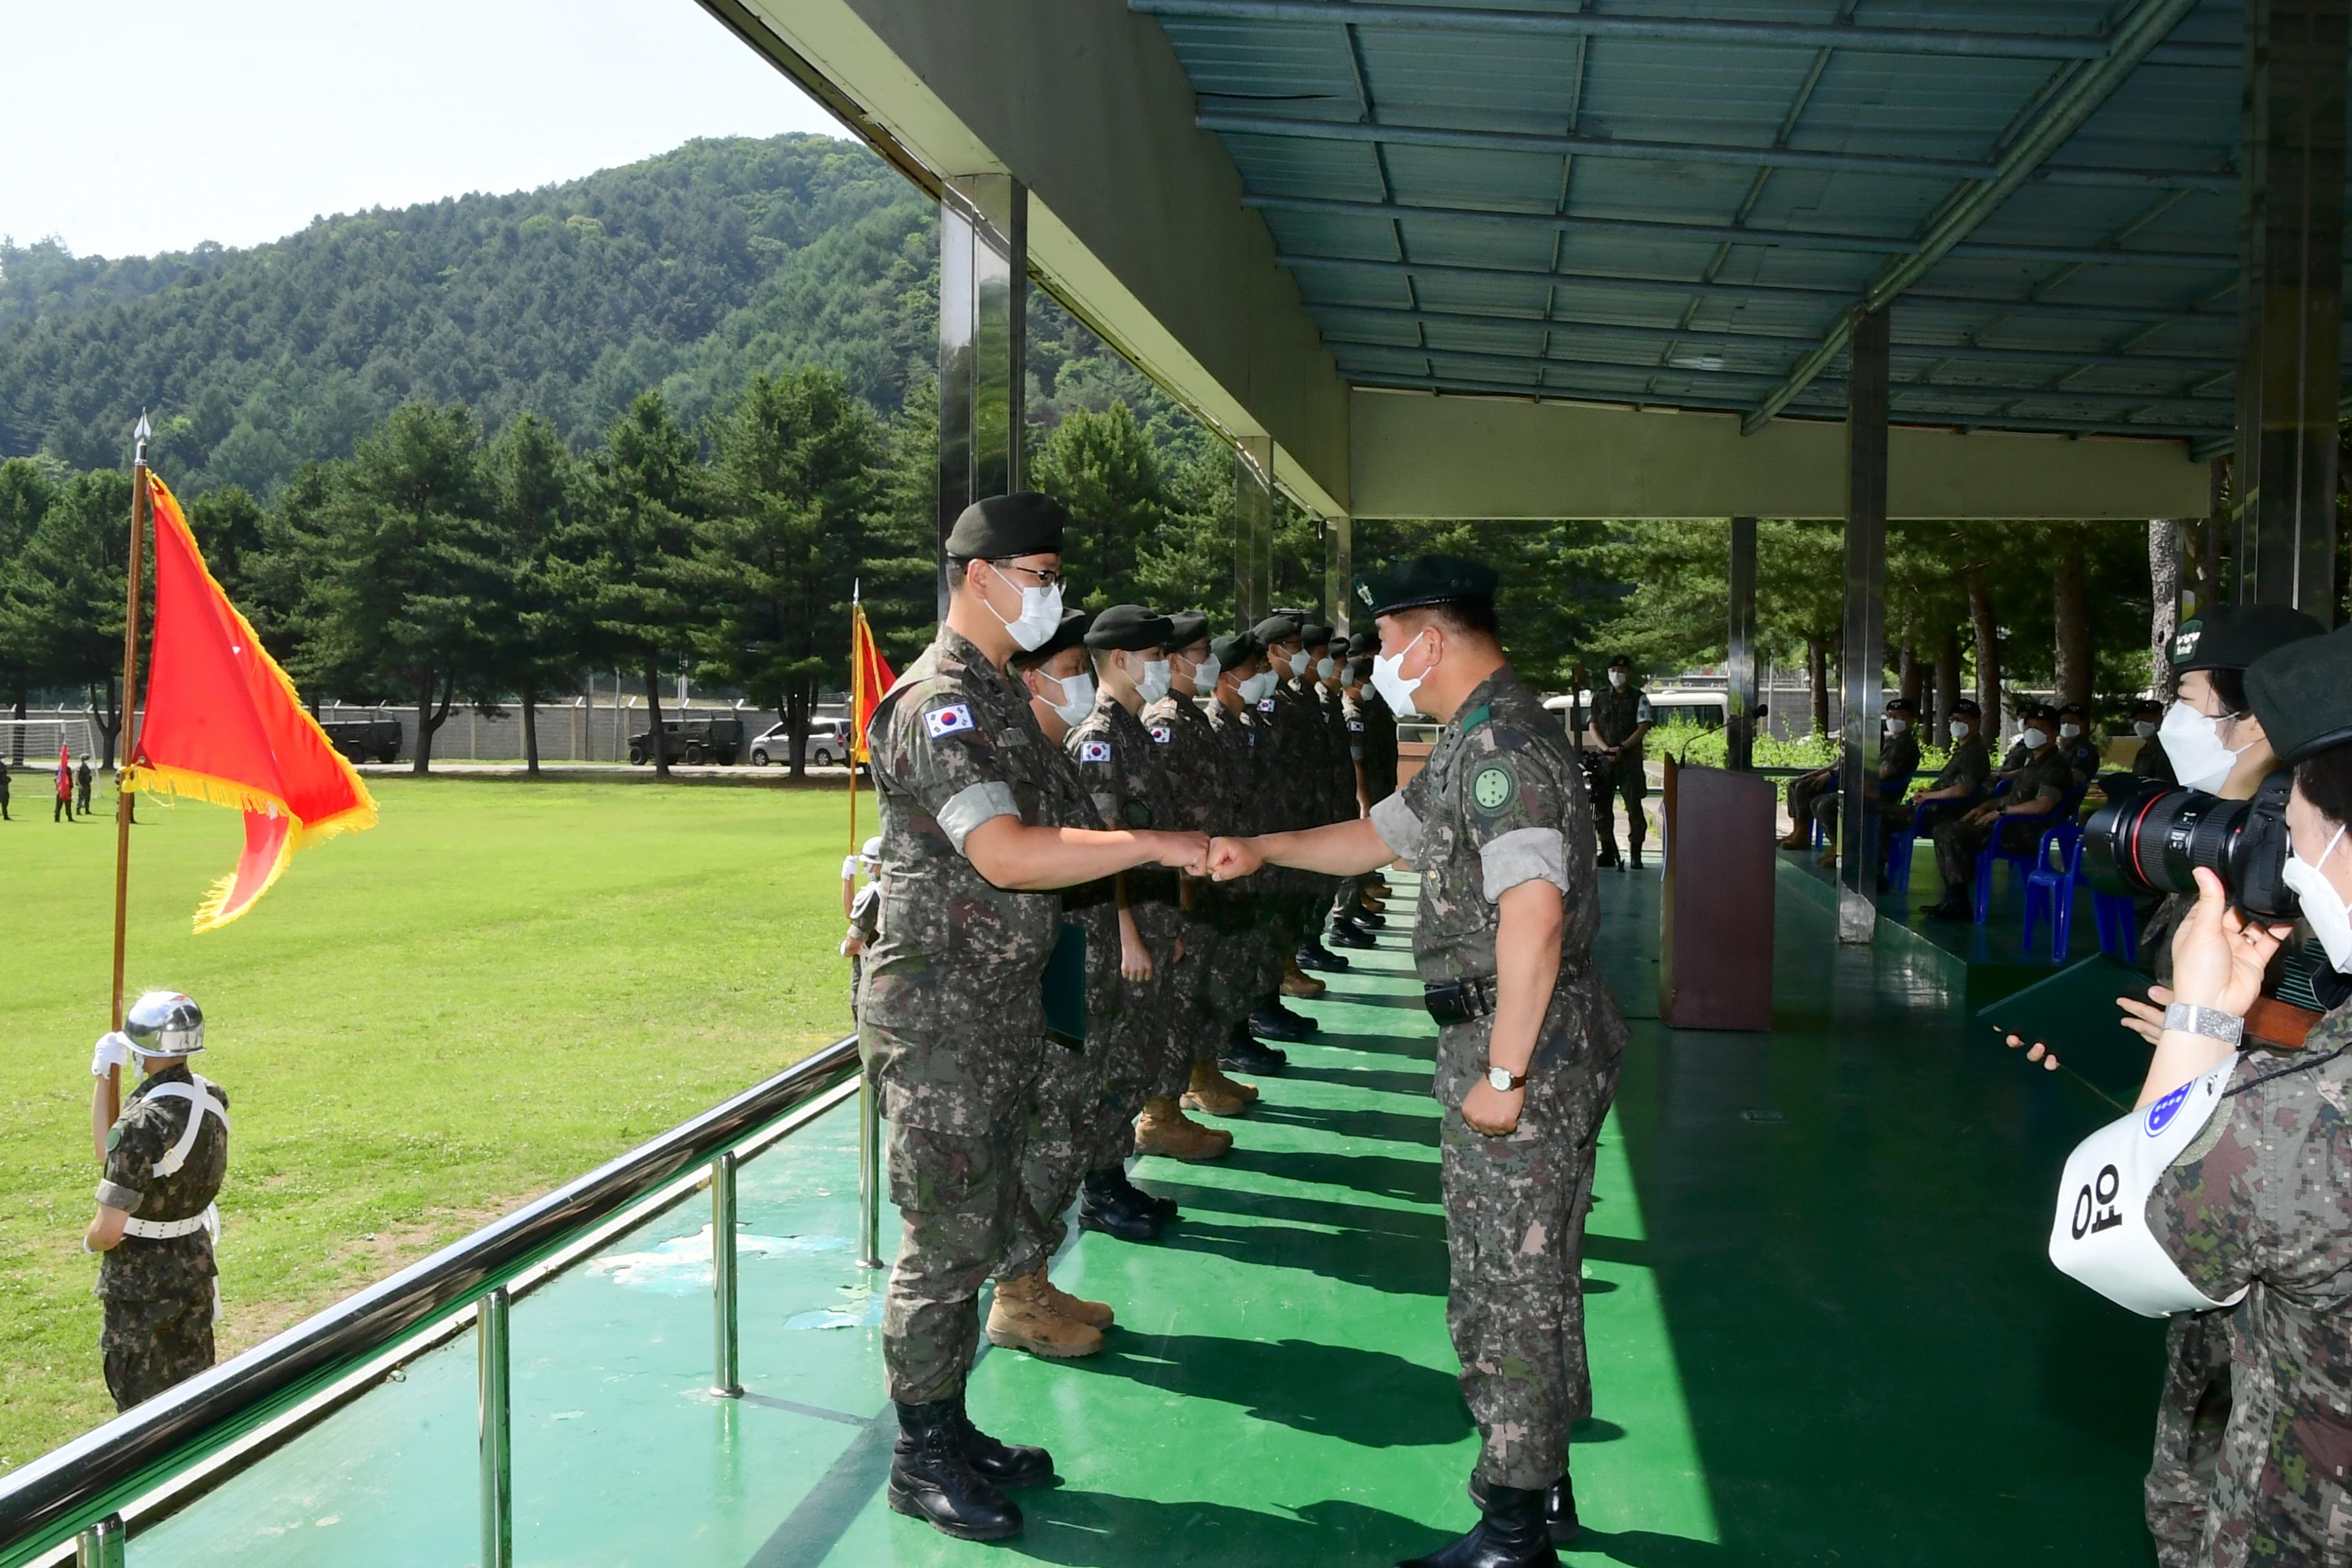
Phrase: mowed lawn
[420,1027]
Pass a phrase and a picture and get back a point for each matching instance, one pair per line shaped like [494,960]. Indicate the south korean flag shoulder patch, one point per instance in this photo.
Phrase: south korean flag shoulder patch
[1266,704]
[1162,734]
[1093,750]
[950,718]
[1355,726]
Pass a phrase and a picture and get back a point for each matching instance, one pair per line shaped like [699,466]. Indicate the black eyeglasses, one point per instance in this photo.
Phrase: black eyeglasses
[1045,579]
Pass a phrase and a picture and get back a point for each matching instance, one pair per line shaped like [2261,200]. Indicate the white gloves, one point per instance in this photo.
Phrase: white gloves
[113,1051]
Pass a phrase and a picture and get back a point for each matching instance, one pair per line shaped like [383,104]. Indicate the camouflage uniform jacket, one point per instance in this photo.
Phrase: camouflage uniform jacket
[1898,757]
[2046,775]
[2263,1202]
[1294,736]
[1194,759]
[1093,905]
[1341,745]
[1967,764]
[1617,711]
[161,1268]
[952,1007]
[1235,732]
[1500,802]
[2016,757]
[1371,740]
[1127,779]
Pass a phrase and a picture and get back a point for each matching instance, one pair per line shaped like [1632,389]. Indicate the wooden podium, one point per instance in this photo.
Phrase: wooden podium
[1714,937]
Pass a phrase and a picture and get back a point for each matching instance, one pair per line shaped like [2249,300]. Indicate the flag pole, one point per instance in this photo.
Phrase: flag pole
[856,706]
[124,712]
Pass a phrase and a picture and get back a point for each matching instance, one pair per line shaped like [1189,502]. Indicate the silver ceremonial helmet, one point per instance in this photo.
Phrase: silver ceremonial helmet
[165,1024]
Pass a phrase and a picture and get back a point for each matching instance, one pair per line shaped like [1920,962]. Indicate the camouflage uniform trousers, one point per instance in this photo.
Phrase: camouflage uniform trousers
[1081,1118]
[1515,1213]
[1628,781]
[961,1203]
[147,1344]
[1958,844]
[2190,1421]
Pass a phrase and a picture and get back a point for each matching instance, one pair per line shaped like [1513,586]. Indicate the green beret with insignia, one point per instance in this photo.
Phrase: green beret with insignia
[1026,522]
[1274,629]
[1186,627]
[1070,634]
[1229,651]
[2232,637]
[1128,628]
[2302,694]
[1421,581]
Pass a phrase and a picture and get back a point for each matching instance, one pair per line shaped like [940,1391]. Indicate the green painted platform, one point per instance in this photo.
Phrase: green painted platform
[1822,1333]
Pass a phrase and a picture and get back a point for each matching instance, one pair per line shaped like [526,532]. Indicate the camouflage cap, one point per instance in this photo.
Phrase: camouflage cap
[1421,581]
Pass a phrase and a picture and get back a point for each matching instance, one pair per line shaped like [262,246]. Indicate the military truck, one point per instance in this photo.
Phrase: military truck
[375,739]
[692,739]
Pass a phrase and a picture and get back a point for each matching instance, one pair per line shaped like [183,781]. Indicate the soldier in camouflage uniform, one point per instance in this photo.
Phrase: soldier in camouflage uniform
[1370,731]
[1498,825]
[1249,964]
[2040,789]
[1321,799]
[166,1157]
[1620,717]
[952,1020]
[1124,770]
[1198,780]
[1284,751]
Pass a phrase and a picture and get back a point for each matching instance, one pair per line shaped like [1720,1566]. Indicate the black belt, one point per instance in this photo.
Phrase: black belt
[1460,1001]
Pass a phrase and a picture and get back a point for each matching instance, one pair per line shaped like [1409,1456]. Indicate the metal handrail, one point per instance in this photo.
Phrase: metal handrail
[76,1485]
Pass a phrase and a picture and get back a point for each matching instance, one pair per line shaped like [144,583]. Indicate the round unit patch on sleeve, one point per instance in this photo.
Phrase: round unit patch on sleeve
[1493,786]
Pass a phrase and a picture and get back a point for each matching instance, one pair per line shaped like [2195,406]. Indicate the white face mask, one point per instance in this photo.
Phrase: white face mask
[1617,678]
[2068,732]
[1896,726]
[1960,729]
[1206,673]
[1256,688]
[2033,739]
[1040,617]
[1152,685]
[1299,662]
[1078,698]
[2193,743]
[1390,682]
[2323,906]
[2143,729]
[1324,669]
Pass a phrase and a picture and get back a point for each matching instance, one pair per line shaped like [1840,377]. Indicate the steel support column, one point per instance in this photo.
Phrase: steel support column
[494,1430]
[1863,664]
[726,1378]
[1740,650]
[1338,571]
[1253,528]
[2290,374]
[983,344]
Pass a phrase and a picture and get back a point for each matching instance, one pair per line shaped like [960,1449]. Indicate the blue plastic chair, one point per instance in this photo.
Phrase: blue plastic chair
[2050,894]
[2118,919]
[1900,845]
[2064,831]
[1890,793]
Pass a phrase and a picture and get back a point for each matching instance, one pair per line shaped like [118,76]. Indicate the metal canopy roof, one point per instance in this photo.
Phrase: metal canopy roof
[1679,203]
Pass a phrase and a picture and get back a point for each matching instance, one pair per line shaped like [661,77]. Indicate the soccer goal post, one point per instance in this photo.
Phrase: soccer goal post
[34,743]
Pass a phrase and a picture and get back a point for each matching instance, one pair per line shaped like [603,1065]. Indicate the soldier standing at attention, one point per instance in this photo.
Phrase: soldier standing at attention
[63,810]
[1196,763]
[166,1156]
[952,1021]
[1379,745]
[82,787]
[861,909]
[1249,966]
[1620,717]
[1285,746]
[1125,774]
[1372,758]
[4,790]
[1530,1039]
[1320,792]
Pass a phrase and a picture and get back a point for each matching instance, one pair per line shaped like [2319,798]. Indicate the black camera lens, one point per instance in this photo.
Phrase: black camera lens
[2153,843]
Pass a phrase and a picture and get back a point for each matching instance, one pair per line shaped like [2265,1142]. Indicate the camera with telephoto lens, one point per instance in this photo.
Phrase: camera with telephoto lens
[2154,841]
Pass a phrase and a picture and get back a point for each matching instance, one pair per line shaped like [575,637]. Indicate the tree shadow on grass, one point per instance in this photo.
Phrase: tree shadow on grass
[1369,1398]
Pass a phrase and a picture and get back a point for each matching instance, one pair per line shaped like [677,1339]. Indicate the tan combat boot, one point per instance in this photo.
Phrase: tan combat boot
[1021,1318]
[1213,1092]
[1164,1128]
[1077,1309]
[1296,981]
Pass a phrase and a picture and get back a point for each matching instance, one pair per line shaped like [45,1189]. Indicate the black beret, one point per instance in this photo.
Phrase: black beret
[2073,707]
[2146,705]
[1902,703]
[1186,627]
[1314,634]
[1128,628]
[1968,705]
[1424,580]
[2302,694]
[1229,651]
[1273,629]
[2232,637]
[1359,669]
[1070,634]
[1364,644]
[2042,710]
[1294,611]
[1026,522]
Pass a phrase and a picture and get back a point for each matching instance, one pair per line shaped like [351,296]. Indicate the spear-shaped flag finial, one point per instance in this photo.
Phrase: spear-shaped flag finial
[141,436]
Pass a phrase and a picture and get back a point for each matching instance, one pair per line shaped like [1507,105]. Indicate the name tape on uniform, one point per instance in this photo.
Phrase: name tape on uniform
[948,720]
[1093,750]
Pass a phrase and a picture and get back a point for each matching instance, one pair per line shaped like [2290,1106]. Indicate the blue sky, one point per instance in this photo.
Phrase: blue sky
[145,125]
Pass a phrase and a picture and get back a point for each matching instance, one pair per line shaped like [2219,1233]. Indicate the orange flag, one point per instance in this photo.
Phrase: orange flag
[222,725]
[870,677]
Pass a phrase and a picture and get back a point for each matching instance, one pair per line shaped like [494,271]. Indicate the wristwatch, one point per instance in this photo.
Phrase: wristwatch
[2210,1023]
[1502,1080]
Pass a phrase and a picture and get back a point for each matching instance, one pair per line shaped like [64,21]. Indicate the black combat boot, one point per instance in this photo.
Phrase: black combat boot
[1001,1464]
[931,1479]
[1346,932]
[1511,1533]
[1953,906]
[1313,955]
[1637,858]
[1560,1507]
[1103,1206]
[1162,1209]
[1304,1023]
[1370,920]
[1275,1024]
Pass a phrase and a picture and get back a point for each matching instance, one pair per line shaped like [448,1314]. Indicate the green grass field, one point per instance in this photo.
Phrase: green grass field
[420,1027]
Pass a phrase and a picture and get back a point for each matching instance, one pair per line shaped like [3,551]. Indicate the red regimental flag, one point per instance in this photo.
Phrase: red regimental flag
[222,725]
[870,680]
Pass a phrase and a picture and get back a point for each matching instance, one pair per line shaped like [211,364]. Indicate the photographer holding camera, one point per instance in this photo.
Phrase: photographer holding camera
[2227,1192]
